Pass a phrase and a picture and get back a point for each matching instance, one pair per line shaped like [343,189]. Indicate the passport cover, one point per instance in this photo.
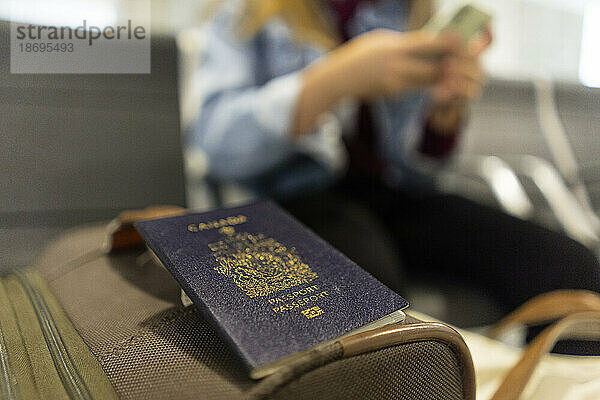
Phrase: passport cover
[269,285]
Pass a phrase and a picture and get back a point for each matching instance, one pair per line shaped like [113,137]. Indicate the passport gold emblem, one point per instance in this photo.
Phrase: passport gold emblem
[313,312]
[259,265]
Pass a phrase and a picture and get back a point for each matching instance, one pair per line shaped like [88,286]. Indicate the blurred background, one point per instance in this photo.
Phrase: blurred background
[79,148]
[534,37]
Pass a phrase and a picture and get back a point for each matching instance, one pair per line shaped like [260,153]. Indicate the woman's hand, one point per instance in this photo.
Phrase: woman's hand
[463,75]
[375,64]
[384,62]
[462,82]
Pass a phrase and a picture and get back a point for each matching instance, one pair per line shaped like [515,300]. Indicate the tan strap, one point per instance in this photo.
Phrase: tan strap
[548,307]
[122,234]
[152,212]
[576,325]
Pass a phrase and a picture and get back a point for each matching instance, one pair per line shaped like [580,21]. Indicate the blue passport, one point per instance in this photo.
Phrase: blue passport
[269,285]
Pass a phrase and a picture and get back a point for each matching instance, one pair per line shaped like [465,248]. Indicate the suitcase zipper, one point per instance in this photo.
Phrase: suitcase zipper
[7,389]
[69,375]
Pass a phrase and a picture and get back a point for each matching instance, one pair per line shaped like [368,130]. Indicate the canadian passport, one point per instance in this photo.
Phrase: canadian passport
[270,286]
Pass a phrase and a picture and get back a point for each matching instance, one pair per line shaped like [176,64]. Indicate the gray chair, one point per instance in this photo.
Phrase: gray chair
[545,135]
[79,148]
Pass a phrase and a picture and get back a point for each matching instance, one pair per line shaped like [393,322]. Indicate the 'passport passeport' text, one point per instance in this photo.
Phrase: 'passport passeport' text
[297,298]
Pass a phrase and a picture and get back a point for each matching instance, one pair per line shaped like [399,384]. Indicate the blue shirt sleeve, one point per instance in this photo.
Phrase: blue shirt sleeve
[243,126]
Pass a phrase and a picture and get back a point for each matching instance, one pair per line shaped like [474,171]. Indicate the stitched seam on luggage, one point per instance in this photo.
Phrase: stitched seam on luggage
[125,344]
[79,262]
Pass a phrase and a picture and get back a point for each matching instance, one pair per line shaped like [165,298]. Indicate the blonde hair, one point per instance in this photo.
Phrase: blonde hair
[307,21]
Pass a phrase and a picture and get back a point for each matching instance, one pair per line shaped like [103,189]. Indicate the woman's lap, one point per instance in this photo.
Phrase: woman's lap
[392,234]
[513,259]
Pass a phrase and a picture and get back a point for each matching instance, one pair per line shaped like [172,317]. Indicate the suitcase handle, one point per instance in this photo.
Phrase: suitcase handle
[580,325]
[548,307]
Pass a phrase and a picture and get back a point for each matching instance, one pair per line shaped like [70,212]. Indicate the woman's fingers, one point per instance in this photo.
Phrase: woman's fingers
[426,43]
[429,43]
[466,89]
[462,81]
[386,62]
[416,73]
[465,85]
[463,73]
[465,68]
[481,42]
[456,91]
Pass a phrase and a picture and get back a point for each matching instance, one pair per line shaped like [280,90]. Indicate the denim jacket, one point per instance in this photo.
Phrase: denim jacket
[249,92]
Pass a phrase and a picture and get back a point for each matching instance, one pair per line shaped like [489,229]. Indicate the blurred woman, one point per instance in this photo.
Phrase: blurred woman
[344,111]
